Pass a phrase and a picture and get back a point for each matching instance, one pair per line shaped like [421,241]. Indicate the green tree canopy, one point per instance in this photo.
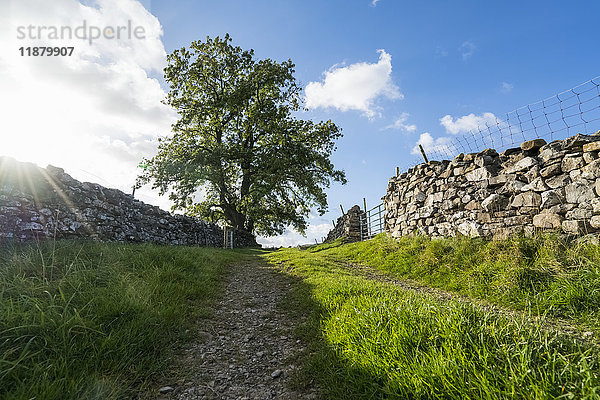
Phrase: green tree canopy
[237,153]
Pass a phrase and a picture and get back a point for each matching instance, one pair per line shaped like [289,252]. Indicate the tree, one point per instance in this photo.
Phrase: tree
[238,154]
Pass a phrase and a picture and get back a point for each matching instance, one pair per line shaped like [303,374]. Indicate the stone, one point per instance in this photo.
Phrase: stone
[571,162]
[579,213]
[31,226]
[165,390]
[595,221]
[447,205]
[597,187]
[578,192]
[590,156]
[494,202]
[499,179]
[469,228]
[576,227]
[419,196]
[513,187]
[469,157]
[484,218]
[537,185]
[592,170]
[446,174]
[484,161]
[436,197]
[593,146]
[528,211]
[458,171]
[425,212]
[558,181]
[488,153]
[510,152]
[527,199]
[547,221]
[532,174]
[478,174]
[532,144]
[595,203]
[522,165]
[506,232]
[552,197]
[561,209]
[576,142]
[575,175]
[517,220]
[458,159]
[472,205]
[551,170]
[551,152]
[276,374]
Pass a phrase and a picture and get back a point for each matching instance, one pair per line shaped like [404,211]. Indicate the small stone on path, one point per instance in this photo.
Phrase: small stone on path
[276,373]
[165,389]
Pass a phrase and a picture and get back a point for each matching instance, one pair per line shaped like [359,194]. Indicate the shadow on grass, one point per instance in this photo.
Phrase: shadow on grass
[319,364]
[371,341]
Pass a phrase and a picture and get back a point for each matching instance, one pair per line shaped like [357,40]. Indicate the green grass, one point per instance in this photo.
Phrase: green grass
[98,321]
[371,340]
[541,275]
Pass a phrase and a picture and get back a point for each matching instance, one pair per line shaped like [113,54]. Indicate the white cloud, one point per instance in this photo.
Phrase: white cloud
[374,3]
[468,123]
[95,113]
[506,87]
[400,123]
[292,237]
[440,145]
[467,49]
[354,87]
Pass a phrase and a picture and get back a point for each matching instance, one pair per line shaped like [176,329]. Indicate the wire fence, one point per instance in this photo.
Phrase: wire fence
[565,114]
[573,111]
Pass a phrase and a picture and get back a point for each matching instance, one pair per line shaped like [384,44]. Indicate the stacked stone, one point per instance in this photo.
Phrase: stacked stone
[348,226]
[538,186]
[38,203]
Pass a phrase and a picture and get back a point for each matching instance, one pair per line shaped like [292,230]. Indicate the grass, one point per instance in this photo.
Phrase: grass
[98,321]
[372,340]
[543,275]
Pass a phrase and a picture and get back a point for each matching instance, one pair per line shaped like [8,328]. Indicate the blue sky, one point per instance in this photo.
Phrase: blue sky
[438,58]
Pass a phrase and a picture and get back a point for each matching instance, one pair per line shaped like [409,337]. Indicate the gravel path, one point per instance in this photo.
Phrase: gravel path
[247,350]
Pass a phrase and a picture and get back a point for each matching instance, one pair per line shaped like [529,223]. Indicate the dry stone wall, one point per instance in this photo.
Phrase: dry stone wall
[348,226]
[538,186]
[47,203]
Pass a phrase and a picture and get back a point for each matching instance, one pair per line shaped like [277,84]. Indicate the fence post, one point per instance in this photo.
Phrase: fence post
[360,222]
[423,153]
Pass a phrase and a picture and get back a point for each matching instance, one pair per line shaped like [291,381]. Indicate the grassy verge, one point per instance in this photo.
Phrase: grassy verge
[541,275]
[90,320]
[372,340]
